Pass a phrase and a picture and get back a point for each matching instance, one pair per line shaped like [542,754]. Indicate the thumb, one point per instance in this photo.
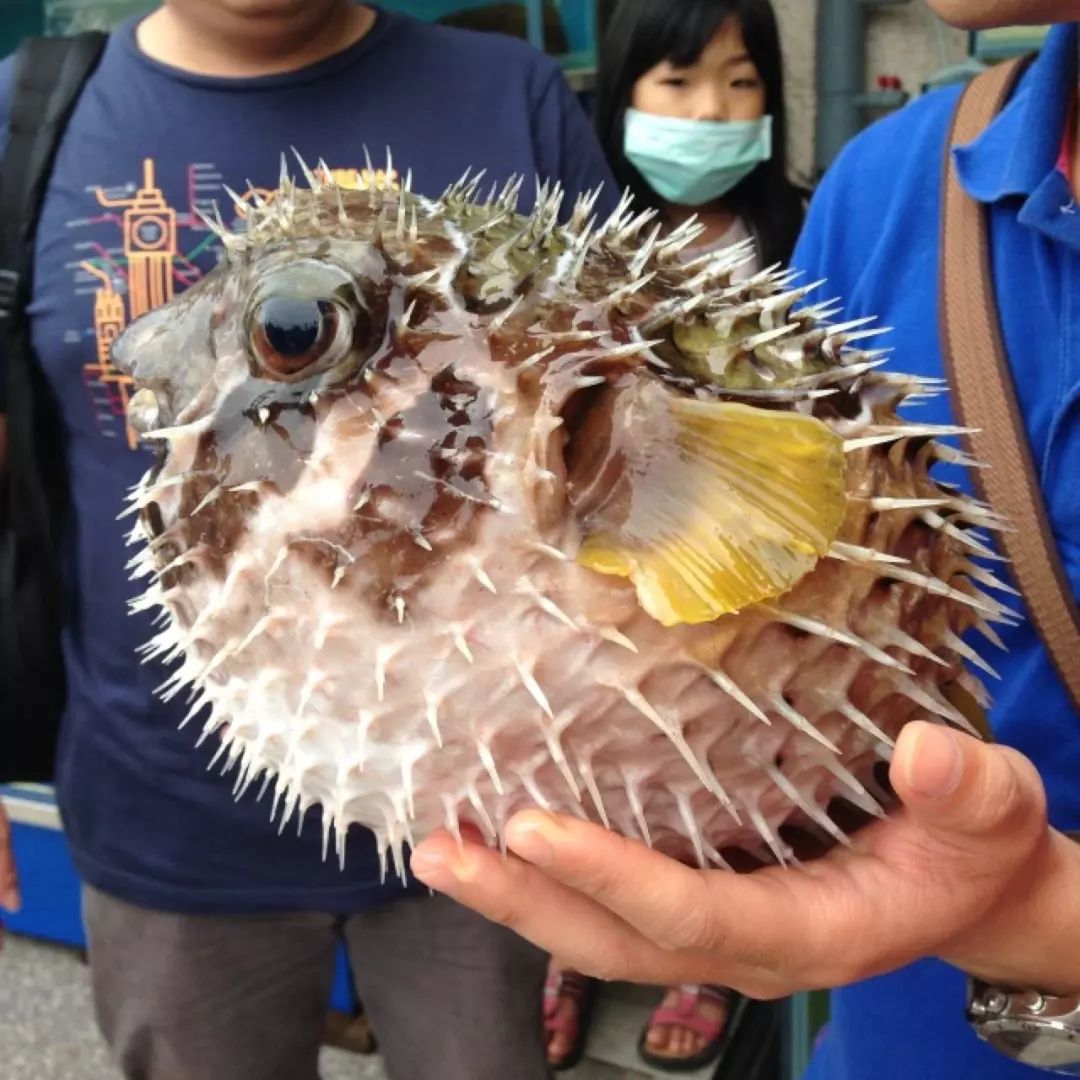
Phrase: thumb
[954,784]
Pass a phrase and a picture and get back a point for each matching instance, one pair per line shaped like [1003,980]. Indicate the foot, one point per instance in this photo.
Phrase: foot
[566,998]
[689,1025]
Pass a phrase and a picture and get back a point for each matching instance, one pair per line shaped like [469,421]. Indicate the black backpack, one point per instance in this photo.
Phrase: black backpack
[49,76]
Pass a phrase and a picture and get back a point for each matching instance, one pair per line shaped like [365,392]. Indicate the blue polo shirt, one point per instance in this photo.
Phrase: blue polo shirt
[874,231]
[147,148]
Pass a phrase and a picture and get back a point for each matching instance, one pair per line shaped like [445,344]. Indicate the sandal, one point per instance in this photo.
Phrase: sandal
[686,1014]
[568,985]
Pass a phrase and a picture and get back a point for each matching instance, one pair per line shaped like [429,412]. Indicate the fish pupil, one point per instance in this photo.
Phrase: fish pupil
[292,327]
[290,335]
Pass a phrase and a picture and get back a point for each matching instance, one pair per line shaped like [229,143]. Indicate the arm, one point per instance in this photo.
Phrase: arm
[9,879]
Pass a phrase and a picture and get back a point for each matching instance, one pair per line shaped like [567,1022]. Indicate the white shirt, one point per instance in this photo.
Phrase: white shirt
[735,234]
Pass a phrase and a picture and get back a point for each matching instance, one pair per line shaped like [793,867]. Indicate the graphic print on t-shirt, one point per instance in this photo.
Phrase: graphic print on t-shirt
[150,263]
[143,268]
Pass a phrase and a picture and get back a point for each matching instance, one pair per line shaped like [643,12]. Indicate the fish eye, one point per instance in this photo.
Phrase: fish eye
[291,334]
[308,318]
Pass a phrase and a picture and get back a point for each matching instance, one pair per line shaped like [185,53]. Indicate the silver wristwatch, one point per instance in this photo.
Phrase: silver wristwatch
[1033,1028]
[1027,1026]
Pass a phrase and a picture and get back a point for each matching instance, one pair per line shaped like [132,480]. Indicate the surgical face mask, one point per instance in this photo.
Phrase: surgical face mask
[692,162]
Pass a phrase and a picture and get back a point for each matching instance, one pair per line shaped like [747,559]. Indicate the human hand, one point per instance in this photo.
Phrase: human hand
[967,870]
[9,878]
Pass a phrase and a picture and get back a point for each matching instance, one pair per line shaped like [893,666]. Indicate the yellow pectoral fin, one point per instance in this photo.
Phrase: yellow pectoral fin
[730,505]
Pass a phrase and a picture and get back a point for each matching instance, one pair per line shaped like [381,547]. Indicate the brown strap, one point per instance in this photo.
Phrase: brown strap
[984,396]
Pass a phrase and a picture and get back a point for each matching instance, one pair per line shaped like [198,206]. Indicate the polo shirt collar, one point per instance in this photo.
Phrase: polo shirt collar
[1019,151]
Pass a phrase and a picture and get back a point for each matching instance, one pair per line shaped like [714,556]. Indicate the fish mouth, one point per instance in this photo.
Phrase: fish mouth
[144,410]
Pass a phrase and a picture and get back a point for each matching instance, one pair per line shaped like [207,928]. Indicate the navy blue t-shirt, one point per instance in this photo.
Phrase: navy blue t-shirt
[874,231]
[147,145]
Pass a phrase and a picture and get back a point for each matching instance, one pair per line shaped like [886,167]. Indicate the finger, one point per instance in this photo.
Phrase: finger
[594,940]
[9,879]
[559,920]
[966,792]
[665,901]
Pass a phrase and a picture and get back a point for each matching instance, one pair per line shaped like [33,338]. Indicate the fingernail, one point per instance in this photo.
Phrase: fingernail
[527,840]
[11,901]
[432,870]
[935,764]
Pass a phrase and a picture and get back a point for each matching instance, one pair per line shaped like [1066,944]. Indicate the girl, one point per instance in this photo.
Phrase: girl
[690,110]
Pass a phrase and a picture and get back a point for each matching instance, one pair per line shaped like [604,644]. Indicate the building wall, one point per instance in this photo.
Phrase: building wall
[908,41]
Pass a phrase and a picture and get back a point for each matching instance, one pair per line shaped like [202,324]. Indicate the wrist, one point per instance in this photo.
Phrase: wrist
[1031,938]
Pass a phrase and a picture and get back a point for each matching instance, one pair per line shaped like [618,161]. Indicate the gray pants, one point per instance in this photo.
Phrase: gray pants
[194,997]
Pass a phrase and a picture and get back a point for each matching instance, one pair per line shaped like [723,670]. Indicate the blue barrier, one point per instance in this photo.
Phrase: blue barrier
[51,907]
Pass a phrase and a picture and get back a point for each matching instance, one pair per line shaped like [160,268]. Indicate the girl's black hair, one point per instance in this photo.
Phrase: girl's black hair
[639,34]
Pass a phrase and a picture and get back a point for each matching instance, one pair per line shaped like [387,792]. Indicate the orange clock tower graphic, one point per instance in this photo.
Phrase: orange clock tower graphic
[108,323]
[149,243]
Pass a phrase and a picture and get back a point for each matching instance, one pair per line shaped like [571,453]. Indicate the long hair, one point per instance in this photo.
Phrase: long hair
[638,35]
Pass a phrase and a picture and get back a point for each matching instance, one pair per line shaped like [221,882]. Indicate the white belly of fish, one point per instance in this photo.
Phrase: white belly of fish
[514,678]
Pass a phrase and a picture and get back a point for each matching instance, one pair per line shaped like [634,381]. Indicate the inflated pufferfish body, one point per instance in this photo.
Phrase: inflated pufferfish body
[460,511]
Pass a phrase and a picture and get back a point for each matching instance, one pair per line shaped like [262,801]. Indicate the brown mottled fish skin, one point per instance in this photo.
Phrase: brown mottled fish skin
[459,511]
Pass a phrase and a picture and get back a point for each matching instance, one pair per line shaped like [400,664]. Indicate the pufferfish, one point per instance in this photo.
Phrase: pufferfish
[459,511]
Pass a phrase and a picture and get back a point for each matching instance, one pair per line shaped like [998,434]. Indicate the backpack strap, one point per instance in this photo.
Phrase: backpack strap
[984,394]
[49,76]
